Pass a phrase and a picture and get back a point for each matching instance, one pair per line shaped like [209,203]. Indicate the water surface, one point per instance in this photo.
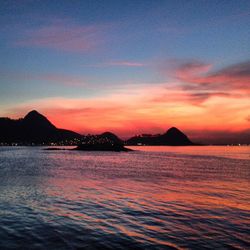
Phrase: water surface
[155,198]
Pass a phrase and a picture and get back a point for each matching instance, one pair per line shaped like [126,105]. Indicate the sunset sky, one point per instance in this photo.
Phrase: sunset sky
[129,66]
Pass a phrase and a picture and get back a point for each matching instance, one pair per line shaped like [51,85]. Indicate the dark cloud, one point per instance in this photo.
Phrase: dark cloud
[240,70]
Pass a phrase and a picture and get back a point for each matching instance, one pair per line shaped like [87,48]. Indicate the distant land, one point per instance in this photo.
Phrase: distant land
[36,129]
[173,137]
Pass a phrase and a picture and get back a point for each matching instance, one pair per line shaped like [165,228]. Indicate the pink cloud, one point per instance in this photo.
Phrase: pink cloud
[63,36]
[234,77]
[199,82]
[126,63]
[120,64]
[190,70]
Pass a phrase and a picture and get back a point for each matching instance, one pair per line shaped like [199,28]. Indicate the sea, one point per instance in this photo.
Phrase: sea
[151,198]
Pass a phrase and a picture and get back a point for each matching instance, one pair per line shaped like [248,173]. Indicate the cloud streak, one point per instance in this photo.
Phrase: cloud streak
[233,77]
[64,36]
[129,64]
[125,63]
[199,82]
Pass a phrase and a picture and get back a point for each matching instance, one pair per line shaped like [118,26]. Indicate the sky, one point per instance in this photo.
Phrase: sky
[129,67]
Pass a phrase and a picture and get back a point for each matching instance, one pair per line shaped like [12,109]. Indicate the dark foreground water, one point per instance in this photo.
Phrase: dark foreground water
[156,198]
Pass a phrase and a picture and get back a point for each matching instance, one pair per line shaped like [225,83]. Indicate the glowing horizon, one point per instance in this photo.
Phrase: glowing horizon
[101,71]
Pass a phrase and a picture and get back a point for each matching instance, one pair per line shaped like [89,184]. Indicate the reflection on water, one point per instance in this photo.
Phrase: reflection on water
[236,152]
[156,198]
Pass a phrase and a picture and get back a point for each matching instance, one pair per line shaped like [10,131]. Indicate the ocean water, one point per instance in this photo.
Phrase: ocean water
[152,198]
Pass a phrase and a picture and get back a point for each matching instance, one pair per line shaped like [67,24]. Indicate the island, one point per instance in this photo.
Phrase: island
[103,142]
[172,137]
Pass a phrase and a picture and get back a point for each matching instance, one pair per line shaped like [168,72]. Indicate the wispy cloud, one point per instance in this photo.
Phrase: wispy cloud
[126,64]
[199,81]
[64,36]
[233,77]
[190,70]
[120,64]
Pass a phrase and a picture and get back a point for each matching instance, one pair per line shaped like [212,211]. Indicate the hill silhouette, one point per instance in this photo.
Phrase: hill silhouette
[104,142]
[112,137]
[173,137]
[33,128]
[36,129]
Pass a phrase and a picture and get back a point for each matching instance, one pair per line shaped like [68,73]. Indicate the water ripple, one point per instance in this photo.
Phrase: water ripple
[139,200]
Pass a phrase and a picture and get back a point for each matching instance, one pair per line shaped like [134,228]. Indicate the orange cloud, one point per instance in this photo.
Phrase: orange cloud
[138,111]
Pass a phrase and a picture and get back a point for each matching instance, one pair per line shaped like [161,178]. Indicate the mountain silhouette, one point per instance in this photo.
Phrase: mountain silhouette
[33,128]
[173,137]
[35,119]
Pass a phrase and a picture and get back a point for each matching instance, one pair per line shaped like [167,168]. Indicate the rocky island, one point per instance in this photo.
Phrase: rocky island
[104,142]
